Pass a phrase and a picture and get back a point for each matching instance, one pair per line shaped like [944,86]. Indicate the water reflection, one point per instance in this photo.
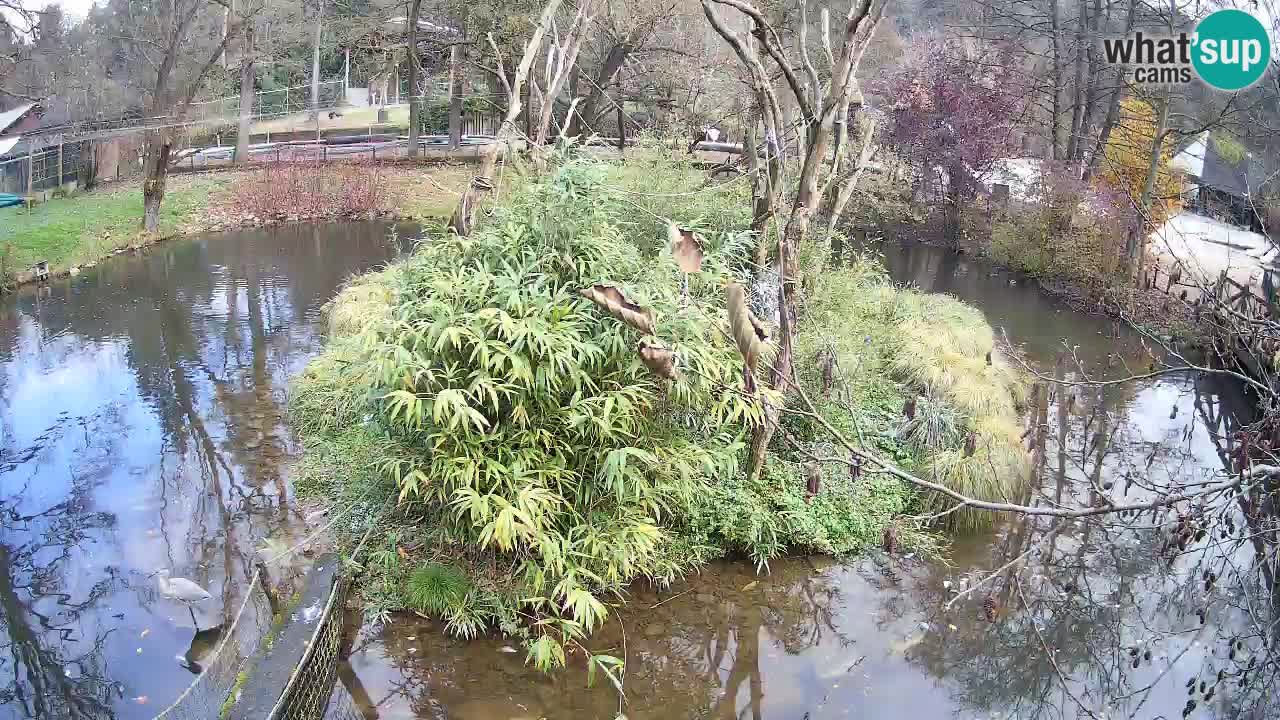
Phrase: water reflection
[141,427]
[1100,619]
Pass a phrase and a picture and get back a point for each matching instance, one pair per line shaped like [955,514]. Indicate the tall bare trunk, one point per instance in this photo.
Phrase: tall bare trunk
[1089,117]
[1138,236]
[808,195]
[455,96]
[315,60]
[1077,87]
[246,98]
[415,102]
[566,59]
[1113,107]
[1055,122]
[590,110]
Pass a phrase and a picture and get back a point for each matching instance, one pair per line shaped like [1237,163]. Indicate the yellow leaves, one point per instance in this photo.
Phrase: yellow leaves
[507,524]
[1127,159]
[584,607]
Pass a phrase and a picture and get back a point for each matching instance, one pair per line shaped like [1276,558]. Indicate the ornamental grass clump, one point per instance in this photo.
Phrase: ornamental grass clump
[956,418]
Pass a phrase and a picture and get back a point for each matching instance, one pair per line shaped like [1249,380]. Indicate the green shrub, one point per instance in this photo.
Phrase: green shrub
[519,419]
[537,466]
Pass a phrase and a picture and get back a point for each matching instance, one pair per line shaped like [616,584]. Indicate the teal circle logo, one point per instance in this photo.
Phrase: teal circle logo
[1232,50]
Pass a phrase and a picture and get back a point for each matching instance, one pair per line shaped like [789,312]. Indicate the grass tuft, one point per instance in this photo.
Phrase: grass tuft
[438,589]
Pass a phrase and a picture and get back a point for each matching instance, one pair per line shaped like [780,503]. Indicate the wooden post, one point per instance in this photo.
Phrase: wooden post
[59,164]
[455,95]
[622,131]
[31,169]
[528,112]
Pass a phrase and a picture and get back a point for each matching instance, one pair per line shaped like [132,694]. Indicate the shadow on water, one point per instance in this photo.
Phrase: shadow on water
[142,427]
[879,637]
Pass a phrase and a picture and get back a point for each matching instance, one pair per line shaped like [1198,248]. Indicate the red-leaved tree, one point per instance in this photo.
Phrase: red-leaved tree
[954,115]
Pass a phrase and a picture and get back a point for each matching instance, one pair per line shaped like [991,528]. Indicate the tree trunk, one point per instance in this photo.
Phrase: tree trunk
[1089,115]
[952,205]
[566,60]
[622,129]
[415,102]
[1055,122]
[1137,237]
[589,111]
[1113,108]
[808,196]
[455,96]
[315,62]
[1077,89]
[155,173]
[246,98]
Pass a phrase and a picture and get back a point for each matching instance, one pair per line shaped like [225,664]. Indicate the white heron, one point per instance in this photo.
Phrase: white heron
[182,590]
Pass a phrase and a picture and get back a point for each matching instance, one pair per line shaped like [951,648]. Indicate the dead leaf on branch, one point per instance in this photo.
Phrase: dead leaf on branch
[749,334]
[612,300]
[686,248]
[813,480]
[656,357]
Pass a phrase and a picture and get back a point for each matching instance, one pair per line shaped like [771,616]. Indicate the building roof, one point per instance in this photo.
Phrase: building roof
[1205,161]
[11,117]
[7,143]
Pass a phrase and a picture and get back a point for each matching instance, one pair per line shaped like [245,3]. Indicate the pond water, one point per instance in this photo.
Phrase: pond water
[142,427]
[880,636]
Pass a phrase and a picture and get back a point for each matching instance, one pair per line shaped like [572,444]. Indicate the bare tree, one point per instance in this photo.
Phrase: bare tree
[622,33]
[163,36]
[820,97]
[415,67]
[247,58]
[463,220]
[16,21]
[561,61]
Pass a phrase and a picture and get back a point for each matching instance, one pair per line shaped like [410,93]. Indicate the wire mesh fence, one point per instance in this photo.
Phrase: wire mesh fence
[307,695]
[310,687]
[47,169]
[342,706]
[270,103]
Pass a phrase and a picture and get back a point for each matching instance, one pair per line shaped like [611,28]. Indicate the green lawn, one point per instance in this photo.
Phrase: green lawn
[85,227]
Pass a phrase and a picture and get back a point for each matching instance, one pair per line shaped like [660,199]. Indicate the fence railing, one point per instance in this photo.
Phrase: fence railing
[46,170]
[269,103]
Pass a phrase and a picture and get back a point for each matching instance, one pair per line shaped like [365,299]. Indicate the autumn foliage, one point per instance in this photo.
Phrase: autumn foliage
[1128,160]
[297,191]
[955,110]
